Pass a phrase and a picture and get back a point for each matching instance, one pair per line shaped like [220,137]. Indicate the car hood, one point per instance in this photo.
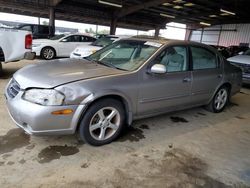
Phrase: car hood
[90,48]
[245,59]
[50,74]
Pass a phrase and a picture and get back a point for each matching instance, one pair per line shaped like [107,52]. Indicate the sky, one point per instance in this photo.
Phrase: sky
[169,32]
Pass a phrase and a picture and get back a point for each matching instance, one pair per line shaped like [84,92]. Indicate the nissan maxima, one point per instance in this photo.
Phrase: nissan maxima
[97,97]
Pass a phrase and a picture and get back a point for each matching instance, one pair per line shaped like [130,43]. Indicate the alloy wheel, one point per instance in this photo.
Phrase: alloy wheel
[48,53]
[104,123]
[220,99]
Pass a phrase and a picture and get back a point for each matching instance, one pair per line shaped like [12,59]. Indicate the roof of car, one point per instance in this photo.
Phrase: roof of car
[165,41]
[83,34]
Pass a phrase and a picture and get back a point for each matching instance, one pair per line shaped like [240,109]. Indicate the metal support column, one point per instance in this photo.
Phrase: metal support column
[202,32]
[188,34]
[52,21]
[218,42]
[113,26]
[157,32]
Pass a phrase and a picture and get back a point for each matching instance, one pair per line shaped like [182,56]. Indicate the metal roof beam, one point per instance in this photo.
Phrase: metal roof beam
[135,8]
[54,3]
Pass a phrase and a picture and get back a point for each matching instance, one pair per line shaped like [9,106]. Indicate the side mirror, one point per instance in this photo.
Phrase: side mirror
[64,40]
[158,69]
[241,53]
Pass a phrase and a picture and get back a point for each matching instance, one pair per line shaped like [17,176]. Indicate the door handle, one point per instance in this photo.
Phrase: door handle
[186,80]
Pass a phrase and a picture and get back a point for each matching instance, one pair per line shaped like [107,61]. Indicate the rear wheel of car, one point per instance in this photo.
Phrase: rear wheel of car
[48,53]
[103,122]
[219,101]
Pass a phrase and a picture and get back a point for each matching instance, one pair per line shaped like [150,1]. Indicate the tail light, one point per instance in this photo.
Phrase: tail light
[28,41]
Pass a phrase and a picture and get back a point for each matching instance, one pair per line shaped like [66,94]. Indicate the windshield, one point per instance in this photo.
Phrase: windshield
[125,54]
[104,41]
[247,52]
[57,37]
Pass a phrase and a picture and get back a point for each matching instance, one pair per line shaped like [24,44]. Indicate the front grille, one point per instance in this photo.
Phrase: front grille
[244,67]
[13,89]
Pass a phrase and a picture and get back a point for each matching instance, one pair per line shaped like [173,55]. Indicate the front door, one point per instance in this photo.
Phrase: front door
[67,45]
[169,91]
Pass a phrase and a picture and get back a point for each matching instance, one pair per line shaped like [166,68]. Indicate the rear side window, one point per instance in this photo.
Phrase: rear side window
[73,38]
[203,59]
[87,39]
[43,29]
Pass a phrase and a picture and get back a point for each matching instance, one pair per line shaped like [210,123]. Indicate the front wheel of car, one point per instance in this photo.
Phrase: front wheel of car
[1,69]
[219,101]
[48,53]
[103,122]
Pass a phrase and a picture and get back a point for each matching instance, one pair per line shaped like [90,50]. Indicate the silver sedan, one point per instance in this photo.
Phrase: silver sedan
[130,79]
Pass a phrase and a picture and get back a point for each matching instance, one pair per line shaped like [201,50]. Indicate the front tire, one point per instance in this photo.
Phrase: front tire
[220,100]
[48,53]
[1,68]
[103,122]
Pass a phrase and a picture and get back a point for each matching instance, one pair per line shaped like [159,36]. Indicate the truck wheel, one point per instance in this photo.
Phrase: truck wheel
[103,122]
[48,53]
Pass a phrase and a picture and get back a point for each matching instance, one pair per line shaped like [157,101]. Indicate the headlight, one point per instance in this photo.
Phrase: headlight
[45,97]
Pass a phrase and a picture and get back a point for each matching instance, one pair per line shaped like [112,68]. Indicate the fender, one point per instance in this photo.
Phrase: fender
[106,93]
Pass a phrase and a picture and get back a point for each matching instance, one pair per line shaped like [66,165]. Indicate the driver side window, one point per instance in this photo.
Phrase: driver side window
[174,58]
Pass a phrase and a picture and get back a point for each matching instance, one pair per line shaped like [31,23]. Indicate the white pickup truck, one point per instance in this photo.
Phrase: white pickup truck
[15,45]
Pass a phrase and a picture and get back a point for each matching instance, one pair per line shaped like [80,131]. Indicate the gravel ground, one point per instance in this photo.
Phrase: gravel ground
[191,148]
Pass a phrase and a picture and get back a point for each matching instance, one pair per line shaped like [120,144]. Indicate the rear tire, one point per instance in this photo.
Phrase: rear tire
[219,101]
[48,53]
[103,122]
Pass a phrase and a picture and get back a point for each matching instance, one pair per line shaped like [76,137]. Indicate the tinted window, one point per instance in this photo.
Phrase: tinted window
[87,39]
[174,58]
[247,52]
[203,58]
[72,38]
[104,41]
[44,29]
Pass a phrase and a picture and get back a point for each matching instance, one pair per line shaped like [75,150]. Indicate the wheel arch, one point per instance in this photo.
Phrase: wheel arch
[226,84]
[48,46]
[125,102]
[2,57]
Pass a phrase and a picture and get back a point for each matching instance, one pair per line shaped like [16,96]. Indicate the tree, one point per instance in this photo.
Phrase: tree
[90,30]
[45,23]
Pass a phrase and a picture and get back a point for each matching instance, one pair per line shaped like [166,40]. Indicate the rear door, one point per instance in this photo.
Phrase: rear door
[207,74]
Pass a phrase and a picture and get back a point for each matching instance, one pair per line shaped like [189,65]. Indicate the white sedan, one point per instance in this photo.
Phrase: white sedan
[60,46]
[84,51]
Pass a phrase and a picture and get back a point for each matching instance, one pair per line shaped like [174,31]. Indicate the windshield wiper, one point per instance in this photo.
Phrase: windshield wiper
[108,65]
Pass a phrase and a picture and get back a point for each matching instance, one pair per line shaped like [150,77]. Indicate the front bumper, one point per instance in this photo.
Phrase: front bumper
[38,120]
[246,78]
